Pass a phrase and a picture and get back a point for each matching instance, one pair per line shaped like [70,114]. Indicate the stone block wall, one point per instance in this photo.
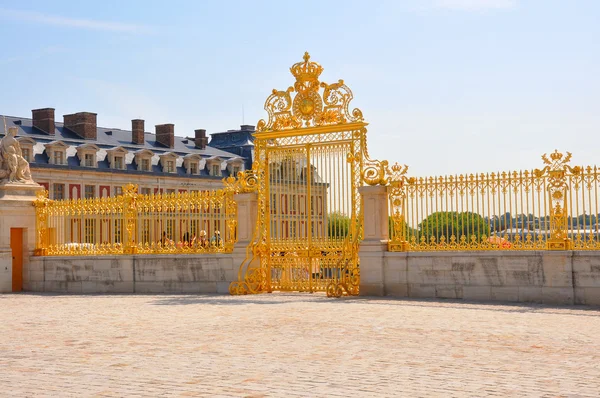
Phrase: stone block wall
[586,277]
[205,273]
[549,277]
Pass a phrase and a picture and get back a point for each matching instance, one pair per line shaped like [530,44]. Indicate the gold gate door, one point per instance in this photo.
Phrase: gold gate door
[309,163]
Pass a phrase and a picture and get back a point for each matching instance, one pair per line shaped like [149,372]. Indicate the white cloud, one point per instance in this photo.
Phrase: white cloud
[33,55]
[474,5]
[32,16]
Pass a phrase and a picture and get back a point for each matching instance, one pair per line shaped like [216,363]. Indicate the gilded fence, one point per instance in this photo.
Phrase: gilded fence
[552,208]
[185,222]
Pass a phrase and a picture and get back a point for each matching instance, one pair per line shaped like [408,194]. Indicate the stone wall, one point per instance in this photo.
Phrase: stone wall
[561,277]
[205,273]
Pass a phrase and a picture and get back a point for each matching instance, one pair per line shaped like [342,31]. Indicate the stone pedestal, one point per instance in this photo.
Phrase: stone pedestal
[374,245]
[16,211]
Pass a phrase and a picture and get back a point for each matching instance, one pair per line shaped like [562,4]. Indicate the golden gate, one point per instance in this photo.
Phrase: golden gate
[310,157]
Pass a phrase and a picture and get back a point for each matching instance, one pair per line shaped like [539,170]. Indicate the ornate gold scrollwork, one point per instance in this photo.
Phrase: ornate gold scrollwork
[246,181]
[309,108]
[556,169]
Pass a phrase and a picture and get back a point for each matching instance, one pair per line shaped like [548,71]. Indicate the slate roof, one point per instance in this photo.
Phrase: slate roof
[240,142]
[108,138]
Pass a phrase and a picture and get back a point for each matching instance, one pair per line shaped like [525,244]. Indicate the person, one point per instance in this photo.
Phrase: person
[315,268]
[165,240]
[216,239]
[203,242]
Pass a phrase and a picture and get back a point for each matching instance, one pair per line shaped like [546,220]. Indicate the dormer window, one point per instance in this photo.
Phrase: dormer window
[89,160]
[192,163]
[87,155]
[58,157]
[235,165]
[118,162]
[26,145]
[143,159]
[57,152]
[214,166]
[169,162]
[116,158]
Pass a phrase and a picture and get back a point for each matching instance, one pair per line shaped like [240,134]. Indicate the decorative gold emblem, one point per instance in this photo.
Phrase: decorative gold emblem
[308,108]
[556,170]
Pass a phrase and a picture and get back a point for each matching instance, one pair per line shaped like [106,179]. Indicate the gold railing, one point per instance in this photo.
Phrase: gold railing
[185,222]
[553,208]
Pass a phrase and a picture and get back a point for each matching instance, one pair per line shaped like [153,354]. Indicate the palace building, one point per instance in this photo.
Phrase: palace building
[77,159]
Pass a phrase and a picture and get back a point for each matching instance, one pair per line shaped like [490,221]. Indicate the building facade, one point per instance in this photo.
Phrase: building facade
[77,159]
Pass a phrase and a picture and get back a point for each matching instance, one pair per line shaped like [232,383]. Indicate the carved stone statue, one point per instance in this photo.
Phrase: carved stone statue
[13,167]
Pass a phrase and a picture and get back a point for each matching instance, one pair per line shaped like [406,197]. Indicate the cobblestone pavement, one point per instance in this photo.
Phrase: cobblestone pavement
[293,345]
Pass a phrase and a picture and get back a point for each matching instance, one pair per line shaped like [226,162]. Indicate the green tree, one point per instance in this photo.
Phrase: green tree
[446,224]
[338,225]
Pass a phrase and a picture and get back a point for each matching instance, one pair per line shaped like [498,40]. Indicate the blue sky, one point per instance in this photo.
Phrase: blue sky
[448,86]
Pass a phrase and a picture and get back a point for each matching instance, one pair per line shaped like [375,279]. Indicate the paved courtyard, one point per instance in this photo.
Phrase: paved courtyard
[293,345]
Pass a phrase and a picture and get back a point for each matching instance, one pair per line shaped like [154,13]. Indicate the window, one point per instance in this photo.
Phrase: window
[26,154]
[58,157]
[273,203]
[194,168]
[145,164]
[118,162]
[145,191]
[216,170]
[118,191]
[170,191]
[59,191]
[89,160]
[235,170]
[90,191]
[170,166]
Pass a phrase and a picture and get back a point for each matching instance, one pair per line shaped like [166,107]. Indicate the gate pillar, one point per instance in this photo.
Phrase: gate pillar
[247,210]
[375,236]
[247,213]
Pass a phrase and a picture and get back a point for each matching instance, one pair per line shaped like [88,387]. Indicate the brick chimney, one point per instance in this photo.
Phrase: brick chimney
[137,131]
[201,140]
[43,119]
[165,135]
[82,123]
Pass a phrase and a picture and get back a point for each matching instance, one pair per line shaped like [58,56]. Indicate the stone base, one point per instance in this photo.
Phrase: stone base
[19,191]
